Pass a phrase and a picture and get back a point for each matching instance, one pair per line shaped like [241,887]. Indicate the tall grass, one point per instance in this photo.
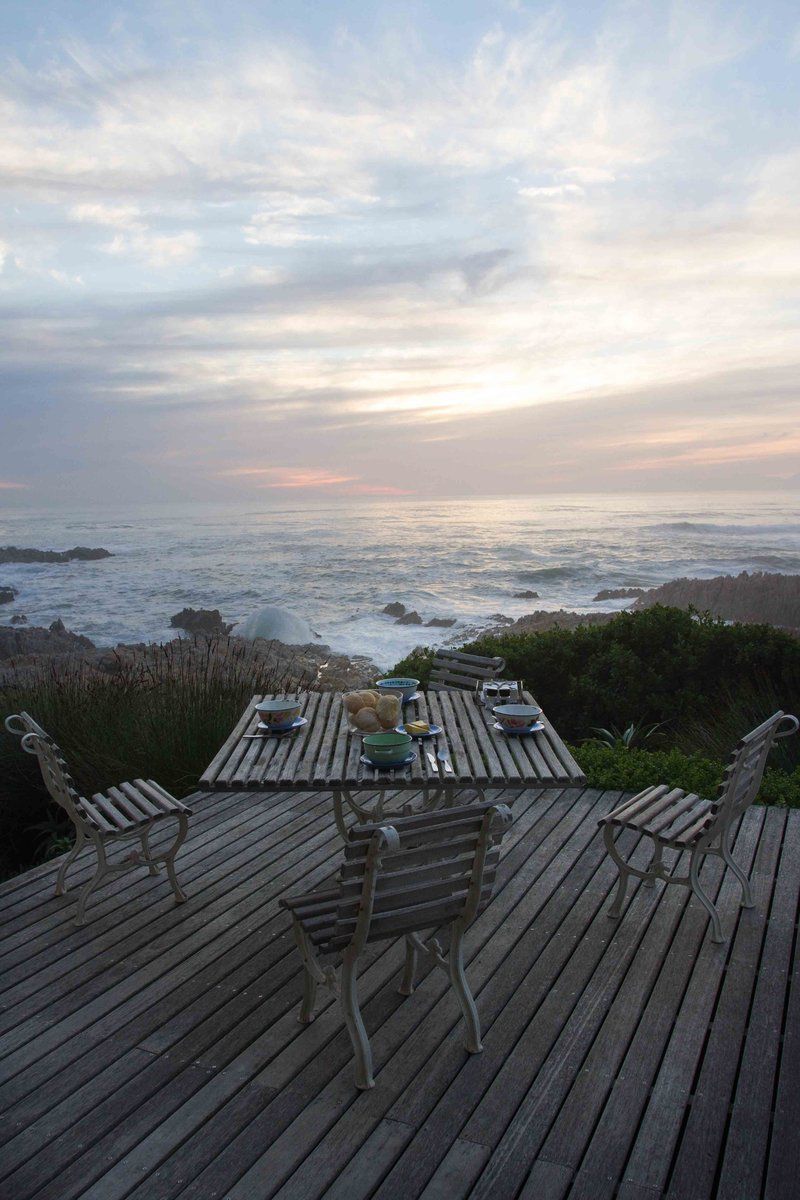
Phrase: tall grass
[163,716]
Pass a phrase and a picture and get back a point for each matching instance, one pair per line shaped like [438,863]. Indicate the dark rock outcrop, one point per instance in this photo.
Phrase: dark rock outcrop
[207,621]
[19,619]
[395,609]
[441,623]
[539,621]
[757,596]
[18,554]
[529,595]
[409,618]
[55,641]
[7,594]
[620,593]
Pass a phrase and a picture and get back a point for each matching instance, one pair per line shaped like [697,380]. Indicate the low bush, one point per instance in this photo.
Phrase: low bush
[708,681]
[626,770]
[162,718]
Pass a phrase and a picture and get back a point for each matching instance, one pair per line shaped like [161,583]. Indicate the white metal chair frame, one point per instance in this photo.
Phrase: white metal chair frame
[415,874]
[143,803]
[681,821]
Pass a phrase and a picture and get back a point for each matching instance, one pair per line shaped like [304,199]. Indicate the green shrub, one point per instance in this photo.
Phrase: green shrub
[626,770]
[710,682]
[631,770]
[163,718]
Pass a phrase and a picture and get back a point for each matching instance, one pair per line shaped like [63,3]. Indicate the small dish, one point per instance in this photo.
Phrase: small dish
[432,731]
[535,728]
[278,714]
[403,762]
[297,723]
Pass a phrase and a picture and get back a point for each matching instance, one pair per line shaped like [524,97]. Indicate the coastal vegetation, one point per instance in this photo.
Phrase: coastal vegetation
[679,687]
[704,682]
[163,717]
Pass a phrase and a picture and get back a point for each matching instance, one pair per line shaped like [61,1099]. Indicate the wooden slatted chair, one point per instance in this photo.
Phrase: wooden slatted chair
[682,821]
[396,880]
[130,810]
[454,670]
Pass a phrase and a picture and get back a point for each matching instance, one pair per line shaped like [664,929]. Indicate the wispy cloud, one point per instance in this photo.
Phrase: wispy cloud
[351,250]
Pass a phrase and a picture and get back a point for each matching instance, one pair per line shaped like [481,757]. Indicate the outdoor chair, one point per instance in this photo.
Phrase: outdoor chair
[452,669]
[396,880]
[130,810]
[682,821]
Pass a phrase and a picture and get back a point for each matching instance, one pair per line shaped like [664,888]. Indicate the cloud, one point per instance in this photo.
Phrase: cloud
[233,247]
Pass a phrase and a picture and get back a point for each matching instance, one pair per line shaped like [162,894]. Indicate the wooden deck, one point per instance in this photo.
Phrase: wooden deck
[155,1053]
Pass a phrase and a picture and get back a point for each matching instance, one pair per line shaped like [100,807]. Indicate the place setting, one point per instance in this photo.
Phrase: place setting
[277,718]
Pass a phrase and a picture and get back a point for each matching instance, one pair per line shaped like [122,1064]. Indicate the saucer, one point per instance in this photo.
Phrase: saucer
[297,723]
[409,758]
[536,728]
[433,731]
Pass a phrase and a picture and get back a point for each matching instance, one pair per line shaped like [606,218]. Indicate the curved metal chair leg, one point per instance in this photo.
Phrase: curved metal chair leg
[169,859]
[409,970]
[704,898]
[654,865]
[624,874]
[462,990]
[102,869]
[355,1025]
[747,895]
[144,838]
[80,841]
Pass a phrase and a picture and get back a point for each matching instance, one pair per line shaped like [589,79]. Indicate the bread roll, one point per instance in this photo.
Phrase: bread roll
[353,702]
[388,711]
[367,720]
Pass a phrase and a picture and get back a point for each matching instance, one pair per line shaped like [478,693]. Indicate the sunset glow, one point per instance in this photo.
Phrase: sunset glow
[548,249]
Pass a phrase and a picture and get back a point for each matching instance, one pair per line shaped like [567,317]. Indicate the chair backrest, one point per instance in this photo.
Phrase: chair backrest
[454,670]
[419,872]
[743,774]
[52,764]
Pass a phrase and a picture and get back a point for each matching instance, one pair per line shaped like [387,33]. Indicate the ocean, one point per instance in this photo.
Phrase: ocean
[337,563]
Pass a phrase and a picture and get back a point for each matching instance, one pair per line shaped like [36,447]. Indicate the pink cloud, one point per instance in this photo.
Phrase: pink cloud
[8,485]
[312,477]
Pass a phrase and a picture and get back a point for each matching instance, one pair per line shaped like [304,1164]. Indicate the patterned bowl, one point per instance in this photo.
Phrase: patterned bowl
[280,713]
[516,716]
[400,686]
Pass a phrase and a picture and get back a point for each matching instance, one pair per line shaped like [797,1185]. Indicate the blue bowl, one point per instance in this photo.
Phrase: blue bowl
[400,685]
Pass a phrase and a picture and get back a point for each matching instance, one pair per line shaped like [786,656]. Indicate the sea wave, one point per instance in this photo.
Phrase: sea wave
[713,527]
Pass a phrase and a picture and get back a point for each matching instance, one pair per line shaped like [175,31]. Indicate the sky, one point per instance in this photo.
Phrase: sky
[320,248]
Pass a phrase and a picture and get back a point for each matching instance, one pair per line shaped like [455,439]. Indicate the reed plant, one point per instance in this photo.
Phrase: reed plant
[162,715]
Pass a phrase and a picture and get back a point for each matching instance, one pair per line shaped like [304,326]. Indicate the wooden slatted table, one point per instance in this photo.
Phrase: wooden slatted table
[325,755]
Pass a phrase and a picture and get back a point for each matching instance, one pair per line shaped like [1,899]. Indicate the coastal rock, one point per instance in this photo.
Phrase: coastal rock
[501,619]
[200,620]
[19,619]
[529,595]
[409,618]
[18,554]
[539,621]
[441,623]
[761,596]
[34,640]
[621,593]
[276,625]
[7,594]
[395,609]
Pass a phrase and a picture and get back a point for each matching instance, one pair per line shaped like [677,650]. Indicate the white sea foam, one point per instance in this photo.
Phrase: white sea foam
[336,564]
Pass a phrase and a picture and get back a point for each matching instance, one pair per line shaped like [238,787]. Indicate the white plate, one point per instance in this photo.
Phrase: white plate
[412,754]
[537,728]
[297,723]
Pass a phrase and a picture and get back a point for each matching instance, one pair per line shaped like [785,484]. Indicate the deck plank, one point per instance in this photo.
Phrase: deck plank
[154,1054]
